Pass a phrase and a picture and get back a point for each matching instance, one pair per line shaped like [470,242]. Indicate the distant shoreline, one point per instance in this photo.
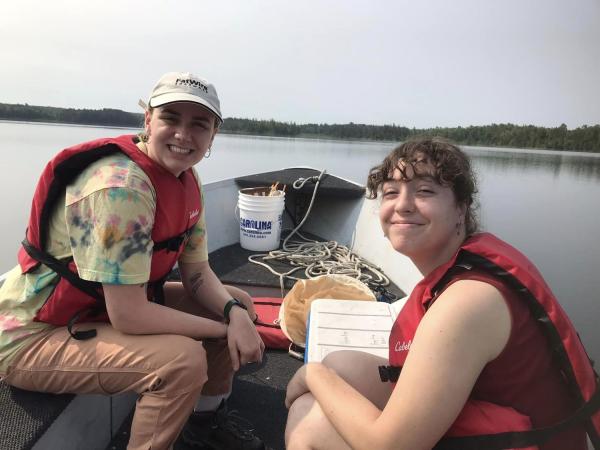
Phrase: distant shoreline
[312,138]
[584,139]
[43,122]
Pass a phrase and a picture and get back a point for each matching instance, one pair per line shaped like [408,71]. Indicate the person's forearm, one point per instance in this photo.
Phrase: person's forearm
[130,312]
[203,286]
[151,318]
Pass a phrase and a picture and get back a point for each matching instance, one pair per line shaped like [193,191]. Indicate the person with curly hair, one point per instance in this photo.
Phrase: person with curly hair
[480,356]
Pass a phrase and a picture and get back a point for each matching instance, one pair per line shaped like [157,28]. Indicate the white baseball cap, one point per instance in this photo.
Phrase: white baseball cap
[185,87]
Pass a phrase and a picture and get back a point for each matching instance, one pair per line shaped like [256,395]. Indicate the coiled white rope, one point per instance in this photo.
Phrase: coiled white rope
[318,258]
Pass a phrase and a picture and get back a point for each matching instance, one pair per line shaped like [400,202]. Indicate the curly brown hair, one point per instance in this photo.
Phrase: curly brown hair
[435,157]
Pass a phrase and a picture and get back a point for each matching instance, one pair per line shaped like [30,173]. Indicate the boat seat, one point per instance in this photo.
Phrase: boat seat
[25,416]
[330,186]
[39,421]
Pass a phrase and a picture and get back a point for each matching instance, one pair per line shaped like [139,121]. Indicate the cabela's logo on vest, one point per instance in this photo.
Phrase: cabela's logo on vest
[403,346]
[194,213]
[257,224]
[192,83]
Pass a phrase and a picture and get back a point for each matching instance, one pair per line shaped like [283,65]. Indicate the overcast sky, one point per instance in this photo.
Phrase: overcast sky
[413,63]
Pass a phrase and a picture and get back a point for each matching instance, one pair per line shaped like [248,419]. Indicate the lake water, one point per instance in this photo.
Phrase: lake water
[545,203]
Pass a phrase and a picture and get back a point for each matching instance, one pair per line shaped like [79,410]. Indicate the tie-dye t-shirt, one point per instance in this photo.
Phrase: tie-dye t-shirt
[105,221]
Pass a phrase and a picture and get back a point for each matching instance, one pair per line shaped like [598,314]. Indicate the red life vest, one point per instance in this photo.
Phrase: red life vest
[485,252]
[178,206]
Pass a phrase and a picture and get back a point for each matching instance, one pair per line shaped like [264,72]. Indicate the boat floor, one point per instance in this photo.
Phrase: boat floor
[258,395]
[258,392]
[231,265]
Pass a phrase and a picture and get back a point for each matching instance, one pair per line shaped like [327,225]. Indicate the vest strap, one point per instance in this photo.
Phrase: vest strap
[85,286]
[84,334]
[389,373]
[174,243]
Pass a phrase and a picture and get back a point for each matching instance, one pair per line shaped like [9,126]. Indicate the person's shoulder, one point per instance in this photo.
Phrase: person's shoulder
[476,308]
[112,171]
[474,299]
[474,285]
[468,291]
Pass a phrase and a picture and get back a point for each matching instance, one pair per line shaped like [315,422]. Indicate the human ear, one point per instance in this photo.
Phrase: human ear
[214,133]
[147,118]
[462,213]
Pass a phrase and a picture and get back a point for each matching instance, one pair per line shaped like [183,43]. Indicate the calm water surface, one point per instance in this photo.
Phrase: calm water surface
[545,203]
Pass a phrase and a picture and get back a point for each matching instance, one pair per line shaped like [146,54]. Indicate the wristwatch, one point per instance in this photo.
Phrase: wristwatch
[230,304]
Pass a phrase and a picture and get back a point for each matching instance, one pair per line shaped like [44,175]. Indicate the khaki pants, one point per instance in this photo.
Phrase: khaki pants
[169,371]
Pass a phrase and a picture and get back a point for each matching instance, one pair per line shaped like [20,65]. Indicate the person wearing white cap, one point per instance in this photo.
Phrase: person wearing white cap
[123,211]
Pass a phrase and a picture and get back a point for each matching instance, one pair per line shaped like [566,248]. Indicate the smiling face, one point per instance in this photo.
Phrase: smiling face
[421,218]
[179,135]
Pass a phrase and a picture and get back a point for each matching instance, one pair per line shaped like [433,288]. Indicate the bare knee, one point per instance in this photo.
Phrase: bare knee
[341,361]
[303,418]
[360,370]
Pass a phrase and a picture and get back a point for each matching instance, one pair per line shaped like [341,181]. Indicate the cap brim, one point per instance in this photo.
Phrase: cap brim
[161,100]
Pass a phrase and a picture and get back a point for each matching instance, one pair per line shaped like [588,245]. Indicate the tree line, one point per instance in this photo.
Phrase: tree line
[585,138]
[102,117]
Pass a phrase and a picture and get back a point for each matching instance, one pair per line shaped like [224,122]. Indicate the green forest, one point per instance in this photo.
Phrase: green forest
[585,138]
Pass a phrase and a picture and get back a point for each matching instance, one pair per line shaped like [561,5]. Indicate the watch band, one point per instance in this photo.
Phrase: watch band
[230,304]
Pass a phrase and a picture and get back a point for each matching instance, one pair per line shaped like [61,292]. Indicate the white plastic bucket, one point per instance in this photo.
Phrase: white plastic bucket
[260,218]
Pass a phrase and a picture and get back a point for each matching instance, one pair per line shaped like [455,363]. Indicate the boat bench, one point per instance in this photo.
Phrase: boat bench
[39,421]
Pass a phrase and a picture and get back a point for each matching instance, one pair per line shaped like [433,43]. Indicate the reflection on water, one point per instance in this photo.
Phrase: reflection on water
[544,203]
